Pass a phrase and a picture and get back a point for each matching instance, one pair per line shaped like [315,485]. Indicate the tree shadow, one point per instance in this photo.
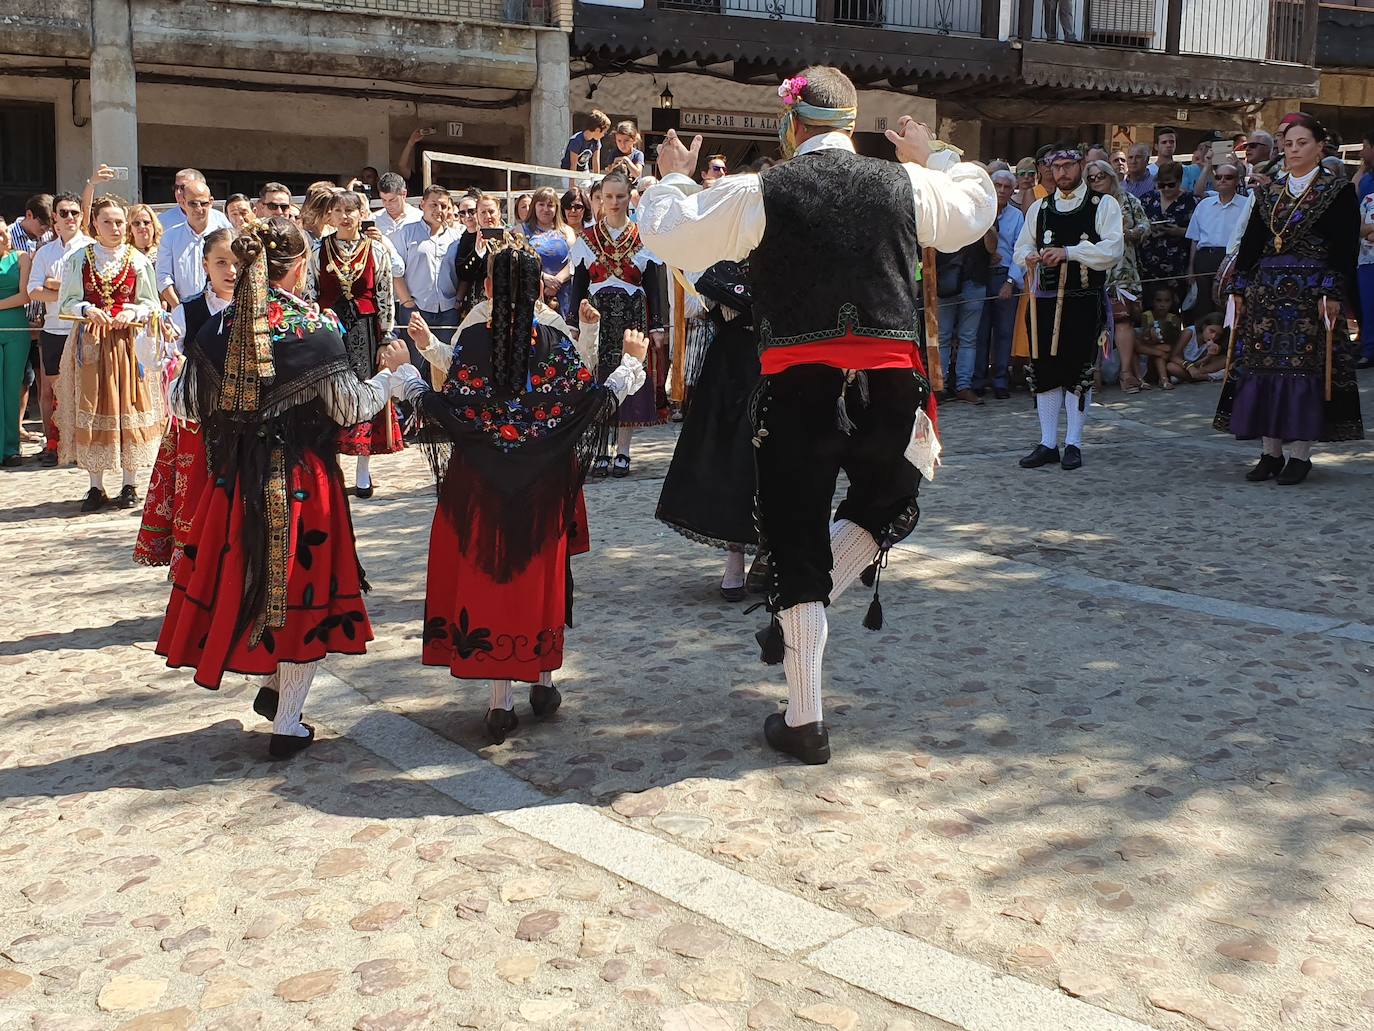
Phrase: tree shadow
[124,631]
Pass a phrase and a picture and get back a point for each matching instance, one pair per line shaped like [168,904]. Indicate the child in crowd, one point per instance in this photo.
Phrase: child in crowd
[1160,334]
[627,141]
[1202,355]
[583,152]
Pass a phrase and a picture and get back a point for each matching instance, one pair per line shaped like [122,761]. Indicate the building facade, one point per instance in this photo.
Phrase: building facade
[251,90]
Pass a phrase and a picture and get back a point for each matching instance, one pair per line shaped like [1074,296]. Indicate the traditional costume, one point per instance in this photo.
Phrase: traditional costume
[110,411]
[180,473]
[708,494]
[270,583]
[1292,377]
[352,279]
[520,418]
[629,287]
[833,240]
[1069,308]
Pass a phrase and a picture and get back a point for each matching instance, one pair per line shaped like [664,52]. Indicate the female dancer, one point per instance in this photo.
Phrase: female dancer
[180,473]
[1293,376]
[109,402]
[524,418]
[629,287]
[550,236]
[351,276]
[270,581]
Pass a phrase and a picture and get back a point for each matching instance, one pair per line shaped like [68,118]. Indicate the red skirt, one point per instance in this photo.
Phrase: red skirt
[380,436]
[179,477]
[325,612]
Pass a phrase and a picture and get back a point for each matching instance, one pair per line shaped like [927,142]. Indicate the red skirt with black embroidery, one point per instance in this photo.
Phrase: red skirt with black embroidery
[380,436]
[179,478]
[325,612]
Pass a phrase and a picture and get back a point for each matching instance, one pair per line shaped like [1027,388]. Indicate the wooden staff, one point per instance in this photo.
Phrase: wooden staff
[1058,311]
[1230,351]
[120,325]
[1330,335]
[931,294]
[1035,314]
[677,377]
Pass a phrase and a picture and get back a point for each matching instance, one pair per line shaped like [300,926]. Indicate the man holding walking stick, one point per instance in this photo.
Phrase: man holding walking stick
[1068,244]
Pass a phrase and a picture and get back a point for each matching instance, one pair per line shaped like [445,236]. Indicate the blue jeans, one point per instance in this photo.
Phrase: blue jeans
[995,334]
[1366,274]
[959,318]
[442,325]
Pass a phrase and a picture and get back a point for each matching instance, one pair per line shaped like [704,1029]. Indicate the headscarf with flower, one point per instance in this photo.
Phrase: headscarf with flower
[795,109]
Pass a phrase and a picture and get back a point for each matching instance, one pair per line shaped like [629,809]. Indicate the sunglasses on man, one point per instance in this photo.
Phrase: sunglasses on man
[273,206]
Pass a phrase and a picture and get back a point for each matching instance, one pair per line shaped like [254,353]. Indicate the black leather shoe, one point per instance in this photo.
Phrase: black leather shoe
[1266,468]
[601,467]
[265,704]
[95,500]
[620,468]
[1294,472]
[1073,458]
[734,593]
[544,699]
[284,746]
[1042,455]
[499,723]
[126,498]
[364,492]
[810,742]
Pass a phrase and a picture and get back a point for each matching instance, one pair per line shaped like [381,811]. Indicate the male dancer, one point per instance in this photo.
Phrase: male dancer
[833,241]
[1069,242]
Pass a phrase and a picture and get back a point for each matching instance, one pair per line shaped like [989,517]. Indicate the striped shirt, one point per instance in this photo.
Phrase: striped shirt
[20,240]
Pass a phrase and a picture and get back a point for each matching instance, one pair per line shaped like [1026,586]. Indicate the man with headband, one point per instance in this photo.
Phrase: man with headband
[1070,241]
[833,240]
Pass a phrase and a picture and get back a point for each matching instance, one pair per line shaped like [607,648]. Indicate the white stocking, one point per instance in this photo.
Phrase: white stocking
[852,549]
[546,678]
[1273,446]
[502,695]
[1047,404]
[130,477]
[804,630]
[1301,450]
[97,480]
[1076,416]
[293,681]
[622,440]
[734,569]
[363,478]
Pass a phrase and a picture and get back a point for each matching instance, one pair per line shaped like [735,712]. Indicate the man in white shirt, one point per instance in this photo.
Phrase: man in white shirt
[427,288]
[1067,253]
[1211,229]
[274,201]
[833,241]
[173,217]
[45,285]
[180,268]
[395,211]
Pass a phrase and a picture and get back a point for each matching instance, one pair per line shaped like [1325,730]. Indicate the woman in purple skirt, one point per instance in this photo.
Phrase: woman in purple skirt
[1292,377]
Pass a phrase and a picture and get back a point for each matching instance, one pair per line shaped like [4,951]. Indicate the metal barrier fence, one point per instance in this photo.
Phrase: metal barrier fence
[507,12]
[945,17]
[510,168]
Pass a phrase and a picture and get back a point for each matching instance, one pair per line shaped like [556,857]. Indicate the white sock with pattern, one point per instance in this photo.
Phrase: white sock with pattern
[852,549]
[293,682]
[502,694]
[1273,446]
[1047,406]
[363,477]
[1301,450]
[1076,416]
[804,630]
[623,437]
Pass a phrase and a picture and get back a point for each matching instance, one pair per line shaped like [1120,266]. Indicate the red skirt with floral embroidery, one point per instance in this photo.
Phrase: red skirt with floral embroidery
[325,612]
[178,479]
[380,436]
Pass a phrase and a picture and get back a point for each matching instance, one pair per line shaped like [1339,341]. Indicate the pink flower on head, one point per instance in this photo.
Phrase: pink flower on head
[791,90]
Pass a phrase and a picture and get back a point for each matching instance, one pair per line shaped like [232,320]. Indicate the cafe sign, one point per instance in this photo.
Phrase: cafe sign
[729,121]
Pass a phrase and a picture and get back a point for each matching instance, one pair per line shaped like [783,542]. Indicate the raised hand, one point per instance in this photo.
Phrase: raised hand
[911,140]
[587,313]
[674,156]
[392,356]
[418,329]
[636,344]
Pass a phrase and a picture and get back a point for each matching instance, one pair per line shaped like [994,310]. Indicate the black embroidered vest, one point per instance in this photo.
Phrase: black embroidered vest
[197,312]
[1056,228]
[839,252]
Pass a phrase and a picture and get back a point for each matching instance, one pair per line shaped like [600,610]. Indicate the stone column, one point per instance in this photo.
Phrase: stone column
[550,112]
[114,103]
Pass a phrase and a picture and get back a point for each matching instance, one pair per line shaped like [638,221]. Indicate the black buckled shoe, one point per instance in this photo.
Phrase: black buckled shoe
[620,468]
[126,498]
[1294,472]
[265,704]
[1042,455]
[1266,468]
[810,742]
[284,746]
[499,723]
[95,500]
[601,467]
[544,699]
[734,593]
[1073,458]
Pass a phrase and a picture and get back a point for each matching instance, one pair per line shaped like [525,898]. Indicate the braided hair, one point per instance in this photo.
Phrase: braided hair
[515,285]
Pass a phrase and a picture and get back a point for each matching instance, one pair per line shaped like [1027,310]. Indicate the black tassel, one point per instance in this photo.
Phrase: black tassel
[873,619]
[842,420]
[770,643]
[870,571]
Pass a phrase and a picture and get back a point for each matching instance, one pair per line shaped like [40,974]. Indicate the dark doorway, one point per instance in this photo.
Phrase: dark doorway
[28,153]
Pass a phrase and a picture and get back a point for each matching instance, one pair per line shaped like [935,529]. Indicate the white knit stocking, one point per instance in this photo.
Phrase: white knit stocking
[852,549]
[804,630]
[1077,417]
[1047,406]
[502,695]
[1301,450]
[623,435]
[363,477]
[734,569]
[1273,446]
[130,477]
[293,682]
[97,480]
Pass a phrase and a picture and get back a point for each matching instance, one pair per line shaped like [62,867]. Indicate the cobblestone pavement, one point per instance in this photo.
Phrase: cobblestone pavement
[1114,741]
